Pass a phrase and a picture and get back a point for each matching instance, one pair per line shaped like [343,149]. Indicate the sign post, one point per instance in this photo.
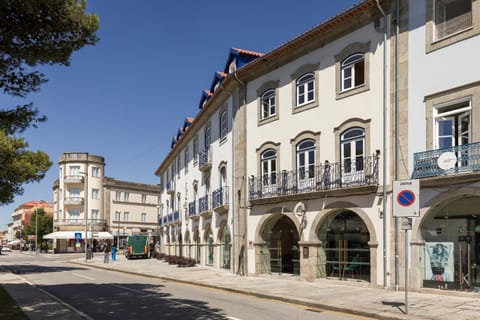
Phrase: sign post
[406,194]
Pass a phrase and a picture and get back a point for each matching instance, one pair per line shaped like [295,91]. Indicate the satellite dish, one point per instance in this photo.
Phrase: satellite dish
[447,160]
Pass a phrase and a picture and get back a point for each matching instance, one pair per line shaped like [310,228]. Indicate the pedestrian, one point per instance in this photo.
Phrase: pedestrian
[152,249]
[106,253]
[157,248]
[114,253]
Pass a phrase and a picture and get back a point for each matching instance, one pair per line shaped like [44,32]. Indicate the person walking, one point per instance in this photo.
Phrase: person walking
[106,253]
[114,253]
[152,249]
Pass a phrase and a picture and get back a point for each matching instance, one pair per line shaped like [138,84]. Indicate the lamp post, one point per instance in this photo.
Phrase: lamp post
[158,222]
[86,213]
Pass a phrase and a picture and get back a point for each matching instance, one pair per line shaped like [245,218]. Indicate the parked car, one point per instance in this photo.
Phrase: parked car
[5,249]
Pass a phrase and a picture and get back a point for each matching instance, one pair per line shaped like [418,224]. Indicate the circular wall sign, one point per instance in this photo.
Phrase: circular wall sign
[447,160]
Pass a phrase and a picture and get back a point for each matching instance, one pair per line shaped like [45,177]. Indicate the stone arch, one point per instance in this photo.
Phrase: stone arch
[267,218]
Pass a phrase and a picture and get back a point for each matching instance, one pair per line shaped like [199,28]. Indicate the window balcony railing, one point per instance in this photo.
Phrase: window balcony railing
[78,221]
[73,201]
[220,199]
[192,209]
[73,179]
[448,161]
[325,177]
[171,218]
[203,206]
[205,159]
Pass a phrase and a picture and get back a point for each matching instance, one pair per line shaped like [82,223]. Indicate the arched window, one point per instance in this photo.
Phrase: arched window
[305,163]
[352,71]
[268,160]
[268,104]
[305,89]
[352,143]
[223,124]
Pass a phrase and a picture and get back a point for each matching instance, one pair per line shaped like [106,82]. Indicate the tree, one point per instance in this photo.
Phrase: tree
[33,33]
[45,224]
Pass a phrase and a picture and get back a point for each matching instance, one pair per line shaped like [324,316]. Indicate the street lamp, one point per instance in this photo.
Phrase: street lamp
[86,213]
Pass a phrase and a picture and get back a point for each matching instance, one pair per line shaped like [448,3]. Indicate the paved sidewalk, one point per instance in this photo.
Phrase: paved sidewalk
[336,295]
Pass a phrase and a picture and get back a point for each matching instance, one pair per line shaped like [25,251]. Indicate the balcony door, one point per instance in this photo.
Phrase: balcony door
[268,160]
[453,130]
[352,143]
[306,165]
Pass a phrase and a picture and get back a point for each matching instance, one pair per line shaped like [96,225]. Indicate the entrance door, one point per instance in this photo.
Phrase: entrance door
[282,244]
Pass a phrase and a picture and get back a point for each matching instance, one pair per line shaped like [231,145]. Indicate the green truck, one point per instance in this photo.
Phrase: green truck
[137,247]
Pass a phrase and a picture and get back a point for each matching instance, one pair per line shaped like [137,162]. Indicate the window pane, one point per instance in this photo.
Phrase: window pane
[359,73]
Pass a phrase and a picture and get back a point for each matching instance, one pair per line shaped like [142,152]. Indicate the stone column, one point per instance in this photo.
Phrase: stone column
[312,260]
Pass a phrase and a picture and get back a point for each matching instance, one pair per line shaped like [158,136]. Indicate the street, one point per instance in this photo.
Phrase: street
[77,292]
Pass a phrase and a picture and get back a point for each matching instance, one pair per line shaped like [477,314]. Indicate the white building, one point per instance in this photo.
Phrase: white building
[441,112]
[108,209]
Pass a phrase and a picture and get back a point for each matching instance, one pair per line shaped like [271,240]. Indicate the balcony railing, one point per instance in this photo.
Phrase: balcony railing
[192,209]
[205,159]
[73,201]
[220,199]
[328,176]
[73,179]
[171,218]
[78,221]
[203,205]
[447,161]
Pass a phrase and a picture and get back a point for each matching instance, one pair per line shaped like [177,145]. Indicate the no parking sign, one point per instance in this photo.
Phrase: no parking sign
[406,198]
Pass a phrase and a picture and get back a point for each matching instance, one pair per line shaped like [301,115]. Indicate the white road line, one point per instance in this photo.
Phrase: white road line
[80,313]
[82,276]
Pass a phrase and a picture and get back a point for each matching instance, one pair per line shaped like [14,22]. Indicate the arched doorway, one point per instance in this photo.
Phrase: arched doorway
[226,242]
[345,238]
[452,245]
[281,254]
[196,239]
[180,244]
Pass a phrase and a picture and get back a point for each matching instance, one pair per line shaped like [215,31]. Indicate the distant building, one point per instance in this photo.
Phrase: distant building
[109,209]
[22,214]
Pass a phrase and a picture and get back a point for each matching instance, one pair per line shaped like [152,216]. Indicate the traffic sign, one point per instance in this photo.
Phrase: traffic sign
[78,236]
[406,198]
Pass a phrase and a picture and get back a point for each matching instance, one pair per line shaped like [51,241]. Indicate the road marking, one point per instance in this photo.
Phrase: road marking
[82,276]
[65,304]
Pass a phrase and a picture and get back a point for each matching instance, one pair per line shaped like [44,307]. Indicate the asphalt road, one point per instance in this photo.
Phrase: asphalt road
[48,288]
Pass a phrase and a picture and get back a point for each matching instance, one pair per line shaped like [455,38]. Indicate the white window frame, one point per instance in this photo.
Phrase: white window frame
[126,216]
[95,172]
[144,217]
[223,123]
[95,193]
[126,196]
[348,68]
[305,86]
[268,104]
[453,112]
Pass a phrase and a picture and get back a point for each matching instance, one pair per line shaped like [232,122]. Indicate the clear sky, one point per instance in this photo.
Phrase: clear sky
[125,98]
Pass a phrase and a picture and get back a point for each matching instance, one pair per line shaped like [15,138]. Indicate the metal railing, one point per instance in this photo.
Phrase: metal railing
[192,209]
[205,158]
[203,204]
[328,176]
[454,160]
[220,197]
[170,218]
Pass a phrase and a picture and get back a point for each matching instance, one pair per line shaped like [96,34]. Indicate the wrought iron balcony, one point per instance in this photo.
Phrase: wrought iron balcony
[328,176]
[192,209]
[220,199]
[448,161]
[203,207]
[171,218]
[205,159]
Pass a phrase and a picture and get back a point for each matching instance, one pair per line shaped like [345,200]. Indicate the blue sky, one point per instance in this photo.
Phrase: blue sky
[125,98]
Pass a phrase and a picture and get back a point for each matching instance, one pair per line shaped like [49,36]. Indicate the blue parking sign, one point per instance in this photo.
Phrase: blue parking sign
[78,236]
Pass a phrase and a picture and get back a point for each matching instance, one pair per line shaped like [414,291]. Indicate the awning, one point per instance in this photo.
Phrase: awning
[71,235]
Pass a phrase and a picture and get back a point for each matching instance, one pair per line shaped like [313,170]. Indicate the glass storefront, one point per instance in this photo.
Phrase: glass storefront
[345,237]
[452,246]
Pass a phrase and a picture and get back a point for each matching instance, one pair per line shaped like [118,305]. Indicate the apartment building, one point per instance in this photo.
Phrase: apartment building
[99,208]
[318,131]
[22,214]
[441,112]
[197,179]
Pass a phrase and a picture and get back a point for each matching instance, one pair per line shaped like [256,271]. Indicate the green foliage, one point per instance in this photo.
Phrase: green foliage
[45,224]
[33,33]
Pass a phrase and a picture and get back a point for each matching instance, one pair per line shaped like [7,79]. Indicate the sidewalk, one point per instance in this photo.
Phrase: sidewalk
[335,295]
